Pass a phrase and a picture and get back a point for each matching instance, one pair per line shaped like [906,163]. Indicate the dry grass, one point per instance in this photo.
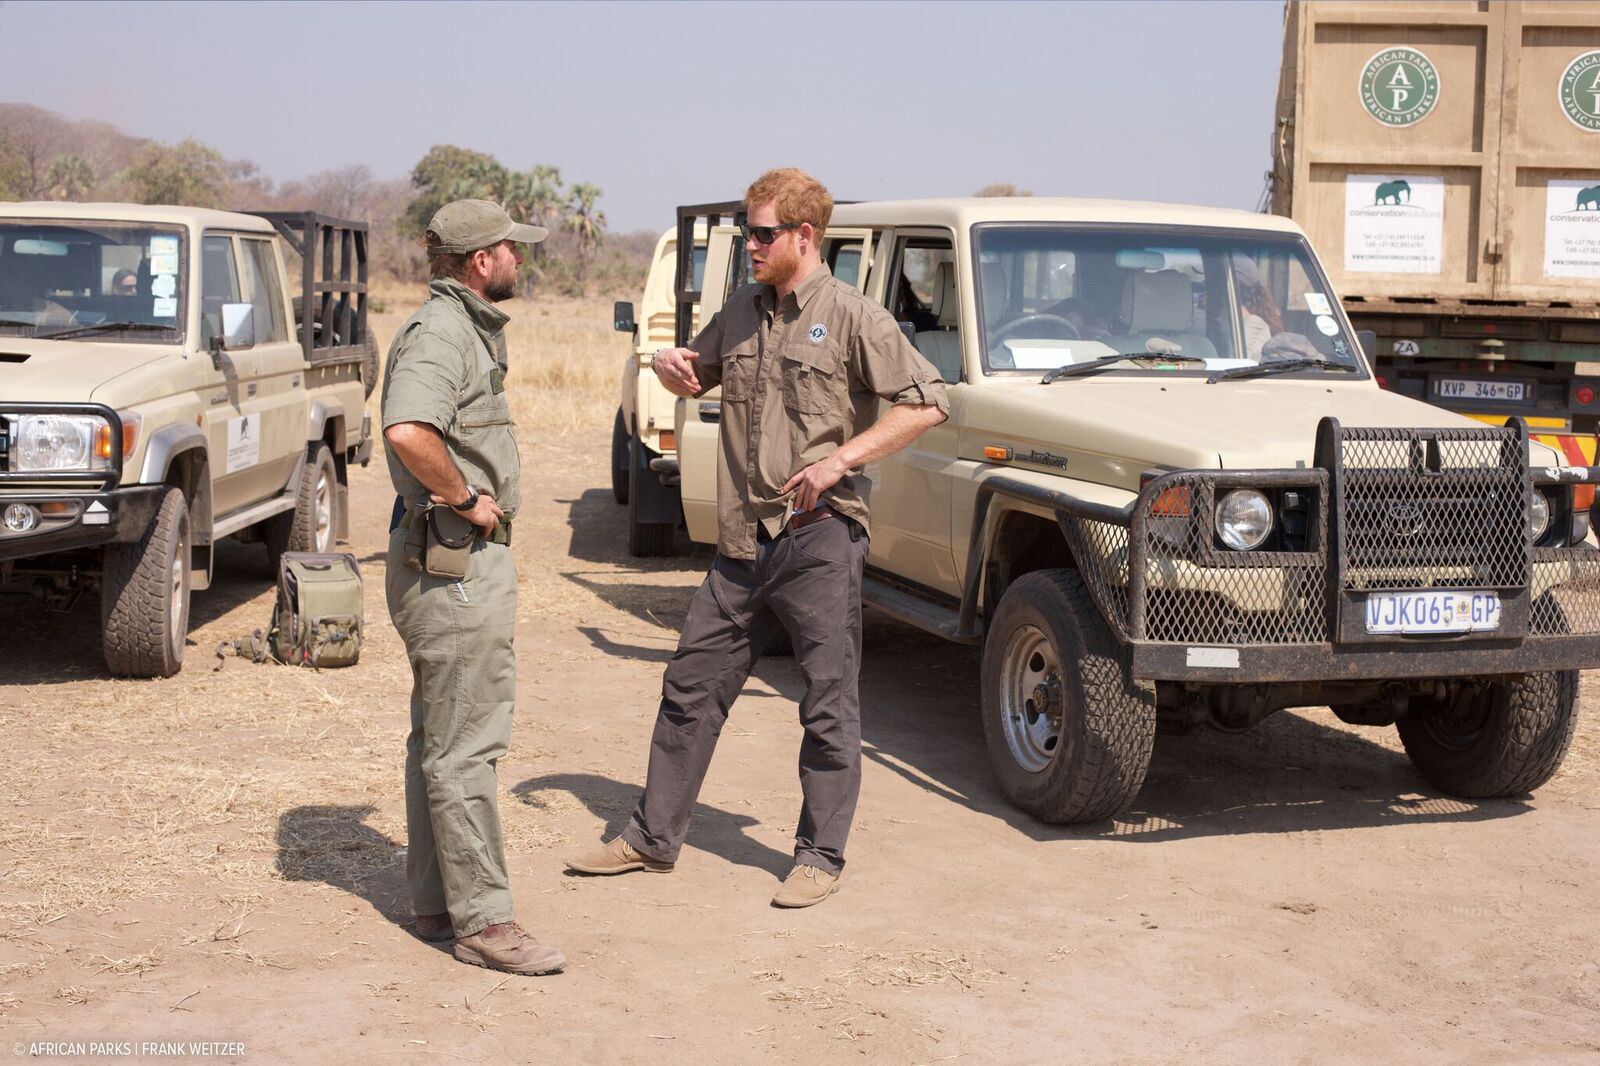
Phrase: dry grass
[566,361]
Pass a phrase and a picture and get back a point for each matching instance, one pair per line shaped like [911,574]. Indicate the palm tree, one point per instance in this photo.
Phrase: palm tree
[588,226]
[70,177]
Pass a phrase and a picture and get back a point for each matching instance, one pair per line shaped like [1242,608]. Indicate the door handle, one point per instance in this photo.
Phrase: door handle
[250,390]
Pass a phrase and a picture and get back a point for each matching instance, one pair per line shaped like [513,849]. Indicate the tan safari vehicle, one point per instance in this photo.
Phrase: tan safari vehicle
[1170,491]
[163,386]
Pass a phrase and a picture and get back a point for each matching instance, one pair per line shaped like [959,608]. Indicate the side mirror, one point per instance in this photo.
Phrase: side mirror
[622,316]
[238,326]
[1368,339]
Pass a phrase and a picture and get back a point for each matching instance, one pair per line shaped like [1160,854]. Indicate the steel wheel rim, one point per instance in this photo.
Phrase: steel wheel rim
[322,511]
[1031,699]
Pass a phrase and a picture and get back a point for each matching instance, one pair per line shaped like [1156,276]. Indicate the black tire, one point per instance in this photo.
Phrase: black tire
[1501,738]
[313,524]
[1088,760]
[144,596]
[619,458]
[644,538]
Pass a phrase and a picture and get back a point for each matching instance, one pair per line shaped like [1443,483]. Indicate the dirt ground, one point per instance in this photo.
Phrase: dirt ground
[219,856]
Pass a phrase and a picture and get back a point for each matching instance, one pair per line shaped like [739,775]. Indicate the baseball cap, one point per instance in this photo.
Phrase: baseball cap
[464,226]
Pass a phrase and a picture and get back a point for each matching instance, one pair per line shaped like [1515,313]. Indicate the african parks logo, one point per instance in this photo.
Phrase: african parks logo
[1579,91]
[1399,86]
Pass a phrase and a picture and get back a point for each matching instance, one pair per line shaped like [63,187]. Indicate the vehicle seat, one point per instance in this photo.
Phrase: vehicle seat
[942,346]
[1159,306]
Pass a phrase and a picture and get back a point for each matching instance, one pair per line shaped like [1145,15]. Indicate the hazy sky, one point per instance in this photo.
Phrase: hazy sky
[661,103]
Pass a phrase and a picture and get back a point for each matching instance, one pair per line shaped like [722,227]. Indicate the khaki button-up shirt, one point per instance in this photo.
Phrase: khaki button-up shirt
[447,368]
[800,377]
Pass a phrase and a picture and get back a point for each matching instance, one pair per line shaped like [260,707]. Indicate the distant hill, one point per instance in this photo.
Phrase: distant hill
[46,156]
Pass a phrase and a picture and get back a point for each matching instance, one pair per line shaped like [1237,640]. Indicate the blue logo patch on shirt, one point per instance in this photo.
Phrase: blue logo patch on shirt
[818,333]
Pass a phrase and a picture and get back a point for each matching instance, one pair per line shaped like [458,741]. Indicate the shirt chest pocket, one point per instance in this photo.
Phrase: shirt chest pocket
[812,378]
[739,371]
[487,413]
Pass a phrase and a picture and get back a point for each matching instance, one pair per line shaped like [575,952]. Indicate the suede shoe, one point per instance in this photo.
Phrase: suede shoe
[617,857]
[806,886]
[434,927]
[507,947]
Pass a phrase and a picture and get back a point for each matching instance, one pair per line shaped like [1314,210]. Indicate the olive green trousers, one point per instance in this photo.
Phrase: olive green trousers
[464,683]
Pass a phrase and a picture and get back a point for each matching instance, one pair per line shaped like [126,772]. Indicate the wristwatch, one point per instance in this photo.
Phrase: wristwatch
[469,503]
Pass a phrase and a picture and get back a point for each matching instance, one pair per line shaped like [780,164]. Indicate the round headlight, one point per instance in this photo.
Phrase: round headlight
[54,442]
[1243,520]
[1538,516]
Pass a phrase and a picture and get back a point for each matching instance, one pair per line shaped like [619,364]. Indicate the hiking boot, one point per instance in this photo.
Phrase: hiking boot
[434,927]
[805,886]
[617,857]
[507,947]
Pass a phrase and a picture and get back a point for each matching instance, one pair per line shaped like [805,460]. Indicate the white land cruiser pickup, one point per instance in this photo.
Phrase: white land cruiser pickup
[1171,489]
[161,387]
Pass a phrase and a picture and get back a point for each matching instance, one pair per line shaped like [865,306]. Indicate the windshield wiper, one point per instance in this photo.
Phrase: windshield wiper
[1280,367]
[1074,369]
[74,331]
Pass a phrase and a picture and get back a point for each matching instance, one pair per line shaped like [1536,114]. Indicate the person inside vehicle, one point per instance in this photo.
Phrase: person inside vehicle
[1261,318]
[125,283]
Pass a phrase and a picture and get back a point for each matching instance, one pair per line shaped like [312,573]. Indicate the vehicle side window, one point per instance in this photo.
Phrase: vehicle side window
[266,294]
[844,261]
[219,284]
[924,295]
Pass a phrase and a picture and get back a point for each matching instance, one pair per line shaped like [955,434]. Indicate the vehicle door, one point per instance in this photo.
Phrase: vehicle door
[231,408]
[911,489]
[696,419]
[280,362]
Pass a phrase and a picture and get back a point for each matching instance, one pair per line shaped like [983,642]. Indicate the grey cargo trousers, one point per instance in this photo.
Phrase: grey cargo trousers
[807,581]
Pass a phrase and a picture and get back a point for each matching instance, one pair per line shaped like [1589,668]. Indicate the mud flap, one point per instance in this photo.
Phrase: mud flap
[657,503]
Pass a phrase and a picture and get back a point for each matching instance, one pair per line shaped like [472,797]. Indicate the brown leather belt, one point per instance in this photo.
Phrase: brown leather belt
[802,519]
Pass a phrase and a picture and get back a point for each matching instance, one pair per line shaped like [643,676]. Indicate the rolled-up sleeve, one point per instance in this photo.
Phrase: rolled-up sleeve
[888,365]
[707,344]
[425,380]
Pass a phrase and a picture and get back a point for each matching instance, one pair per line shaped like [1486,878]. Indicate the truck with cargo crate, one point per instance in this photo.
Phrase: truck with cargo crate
[1171,490]
[163,385]
[1445,159]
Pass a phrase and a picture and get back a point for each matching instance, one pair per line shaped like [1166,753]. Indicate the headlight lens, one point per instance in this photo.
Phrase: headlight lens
[57,442]
[1243,519]
[1538,516]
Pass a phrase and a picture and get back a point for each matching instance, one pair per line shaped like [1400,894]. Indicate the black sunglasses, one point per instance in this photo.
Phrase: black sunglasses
[765,234]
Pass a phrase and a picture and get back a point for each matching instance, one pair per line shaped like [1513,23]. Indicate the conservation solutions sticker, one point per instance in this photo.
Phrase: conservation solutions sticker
[1399,86]
[1393,225]
[1571,229]
[1579,92]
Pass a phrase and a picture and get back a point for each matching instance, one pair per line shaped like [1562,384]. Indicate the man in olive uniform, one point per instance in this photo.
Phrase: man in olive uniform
[803,361]
[451,445]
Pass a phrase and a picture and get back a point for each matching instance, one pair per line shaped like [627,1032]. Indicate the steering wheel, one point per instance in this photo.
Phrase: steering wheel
[1038,316]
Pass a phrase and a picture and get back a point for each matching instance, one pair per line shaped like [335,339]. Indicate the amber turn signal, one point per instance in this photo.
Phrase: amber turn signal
[997,453]
[1171,502]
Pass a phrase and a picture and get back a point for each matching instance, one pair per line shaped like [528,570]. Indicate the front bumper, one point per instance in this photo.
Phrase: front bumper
[115,516]
[1382,510]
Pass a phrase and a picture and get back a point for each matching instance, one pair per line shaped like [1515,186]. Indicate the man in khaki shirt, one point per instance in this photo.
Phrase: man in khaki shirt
[803,361]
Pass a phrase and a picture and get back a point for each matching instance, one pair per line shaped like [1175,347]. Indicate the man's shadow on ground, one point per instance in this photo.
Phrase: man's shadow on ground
[334,845]
[722,833]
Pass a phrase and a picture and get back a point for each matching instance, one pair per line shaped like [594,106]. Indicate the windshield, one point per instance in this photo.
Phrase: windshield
[123,280]
[1054,296]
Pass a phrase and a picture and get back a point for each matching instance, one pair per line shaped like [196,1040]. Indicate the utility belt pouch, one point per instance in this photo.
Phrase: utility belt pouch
[449,544]
[416,527]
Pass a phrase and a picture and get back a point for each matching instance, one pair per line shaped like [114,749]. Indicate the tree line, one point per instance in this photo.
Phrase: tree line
[46,157]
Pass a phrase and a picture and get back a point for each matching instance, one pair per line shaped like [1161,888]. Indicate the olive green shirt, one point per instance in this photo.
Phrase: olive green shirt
[800,377]
[447,369]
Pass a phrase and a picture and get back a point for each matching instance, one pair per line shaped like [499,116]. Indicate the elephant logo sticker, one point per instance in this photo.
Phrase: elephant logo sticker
[1579,92]
[1588,199]
[1389,192]
[1399,86]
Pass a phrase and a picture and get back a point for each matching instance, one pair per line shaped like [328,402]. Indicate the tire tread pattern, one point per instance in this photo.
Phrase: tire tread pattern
[1523,741]
[134,596]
